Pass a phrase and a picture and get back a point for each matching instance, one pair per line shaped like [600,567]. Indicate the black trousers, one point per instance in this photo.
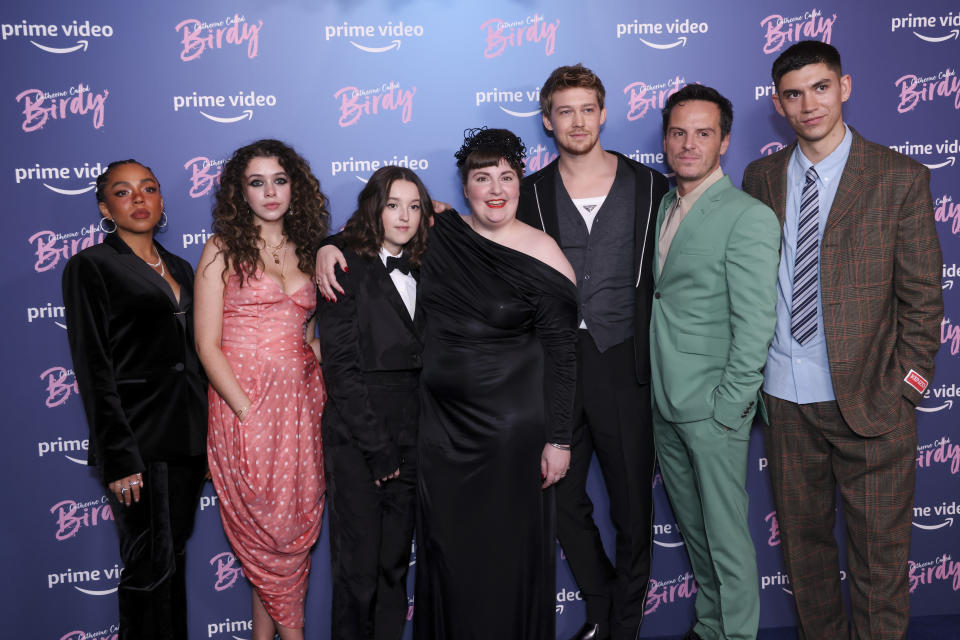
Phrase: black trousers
[371,530]
[153,537]
[613,420]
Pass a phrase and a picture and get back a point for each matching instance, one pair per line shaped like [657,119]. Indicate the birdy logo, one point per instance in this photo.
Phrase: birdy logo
[915,89]
[199,36]
[51,247]
[502,35]
[113,633]
[79,34]
[780,31]
[204,175]
[771,148]
[642,97]
[946,210]
[356,103]
[39,107]
[226,570]
[72,516]
[939,452]
[940,569]
[666,592]
[60,384]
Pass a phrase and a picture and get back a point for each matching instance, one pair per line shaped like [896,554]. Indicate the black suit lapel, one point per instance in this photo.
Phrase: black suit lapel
[544,191]
[389,291]
[140,269]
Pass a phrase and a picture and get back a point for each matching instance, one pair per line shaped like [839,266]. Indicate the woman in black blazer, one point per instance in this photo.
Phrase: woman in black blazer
[371,345]
[130,328]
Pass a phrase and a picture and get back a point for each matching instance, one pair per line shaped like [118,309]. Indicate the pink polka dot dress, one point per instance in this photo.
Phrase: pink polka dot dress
[268,469]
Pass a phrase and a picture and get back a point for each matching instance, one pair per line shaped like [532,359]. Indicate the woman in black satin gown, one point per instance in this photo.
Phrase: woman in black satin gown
[497,394]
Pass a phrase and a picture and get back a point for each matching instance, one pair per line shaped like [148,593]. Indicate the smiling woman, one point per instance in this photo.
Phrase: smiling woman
[497,394]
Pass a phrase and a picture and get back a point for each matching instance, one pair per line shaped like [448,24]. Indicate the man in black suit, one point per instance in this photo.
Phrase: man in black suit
[601,207]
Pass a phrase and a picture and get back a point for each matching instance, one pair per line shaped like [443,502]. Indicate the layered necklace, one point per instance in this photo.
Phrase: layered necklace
[278,254]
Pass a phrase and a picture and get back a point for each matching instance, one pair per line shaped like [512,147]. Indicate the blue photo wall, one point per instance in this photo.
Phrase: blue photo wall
[357,85]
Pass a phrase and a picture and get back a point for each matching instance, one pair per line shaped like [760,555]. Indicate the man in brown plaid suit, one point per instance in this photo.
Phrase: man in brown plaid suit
[858,323]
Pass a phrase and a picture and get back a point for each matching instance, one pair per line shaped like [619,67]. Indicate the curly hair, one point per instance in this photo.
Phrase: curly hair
[484,147]
[363,232]
[305,223]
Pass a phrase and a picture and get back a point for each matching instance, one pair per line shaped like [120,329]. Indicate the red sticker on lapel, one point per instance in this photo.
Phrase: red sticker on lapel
[916,381]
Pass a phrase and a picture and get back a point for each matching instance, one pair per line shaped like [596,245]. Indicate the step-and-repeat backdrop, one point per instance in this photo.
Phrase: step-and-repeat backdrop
[355,86]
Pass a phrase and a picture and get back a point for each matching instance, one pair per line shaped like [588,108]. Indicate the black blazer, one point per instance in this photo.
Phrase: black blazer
[369,345]
[143,389]
[538,208]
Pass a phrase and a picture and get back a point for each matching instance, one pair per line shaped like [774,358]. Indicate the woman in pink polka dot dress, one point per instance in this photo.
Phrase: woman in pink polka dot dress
[254,298]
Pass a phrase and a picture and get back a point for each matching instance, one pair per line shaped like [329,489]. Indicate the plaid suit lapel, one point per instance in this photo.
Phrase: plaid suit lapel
[852,183]
[777,184]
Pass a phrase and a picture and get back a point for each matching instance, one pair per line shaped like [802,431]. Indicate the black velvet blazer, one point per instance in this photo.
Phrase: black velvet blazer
[142,386]
[369,343]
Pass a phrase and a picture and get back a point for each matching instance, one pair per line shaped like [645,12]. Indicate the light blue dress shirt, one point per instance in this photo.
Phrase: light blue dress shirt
[795,372]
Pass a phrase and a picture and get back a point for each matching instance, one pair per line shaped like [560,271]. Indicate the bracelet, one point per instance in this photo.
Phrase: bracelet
[243,413]
[562,447]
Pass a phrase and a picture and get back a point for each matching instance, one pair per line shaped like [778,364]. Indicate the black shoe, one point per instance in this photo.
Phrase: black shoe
[589,631]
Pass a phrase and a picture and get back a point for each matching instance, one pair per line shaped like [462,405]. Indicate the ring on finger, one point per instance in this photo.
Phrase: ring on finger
[123,490]
[134,483]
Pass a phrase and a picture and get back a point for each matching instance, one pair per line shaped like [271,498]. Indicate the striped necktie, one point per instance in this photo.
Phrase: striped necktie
[803,323]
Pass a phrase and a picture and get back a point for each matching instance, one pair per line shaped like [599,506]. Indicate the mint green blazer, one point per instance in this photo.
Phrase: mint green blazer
[714,308]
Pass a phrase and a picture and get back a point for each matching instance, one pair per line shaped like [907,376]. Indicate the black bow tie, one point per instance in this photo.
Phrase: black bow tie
[402,263]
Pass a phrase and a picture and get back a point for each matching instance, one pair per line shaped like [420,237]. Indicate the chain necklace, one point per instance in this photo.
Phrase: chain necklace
[275,251]
[279,255]
[157,264]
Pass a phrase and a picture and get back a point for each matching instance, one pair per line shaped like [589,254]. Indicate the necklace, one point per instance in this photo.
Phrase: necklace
[275,251]
[158,263]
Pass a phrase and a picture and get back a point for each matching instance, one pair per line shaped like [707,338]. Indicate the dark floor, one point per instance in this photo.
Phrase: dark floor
[922,628]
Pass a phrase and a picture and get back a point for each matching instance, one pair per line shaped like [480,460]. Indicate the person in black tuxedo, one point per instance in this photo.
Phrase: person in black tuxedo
[371,341]
[129,320]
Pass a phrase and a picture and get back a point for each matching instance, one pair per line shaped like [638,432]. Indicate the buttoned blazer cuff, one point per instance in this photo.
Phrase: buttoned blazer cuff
[734,415]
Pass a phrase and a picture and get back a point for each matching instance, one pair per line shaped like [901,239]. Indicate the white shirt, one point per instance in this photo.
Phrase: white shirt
[588,208]
[405,283]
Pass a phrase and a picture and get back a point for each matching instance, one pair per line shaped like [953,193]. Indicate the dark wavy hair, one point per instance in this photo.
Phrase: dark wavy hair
[706,94]
[305,223]
[803,53]
[363,232]
[484,147]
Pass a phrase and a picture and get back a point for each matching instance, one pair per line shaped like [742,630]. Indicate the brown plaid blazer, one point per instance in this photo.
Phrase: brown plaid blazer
[880,266]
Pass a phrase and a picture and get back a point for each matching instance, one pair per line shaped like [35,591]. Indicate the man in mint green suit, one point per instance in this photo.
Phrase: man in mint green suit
[716,252]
